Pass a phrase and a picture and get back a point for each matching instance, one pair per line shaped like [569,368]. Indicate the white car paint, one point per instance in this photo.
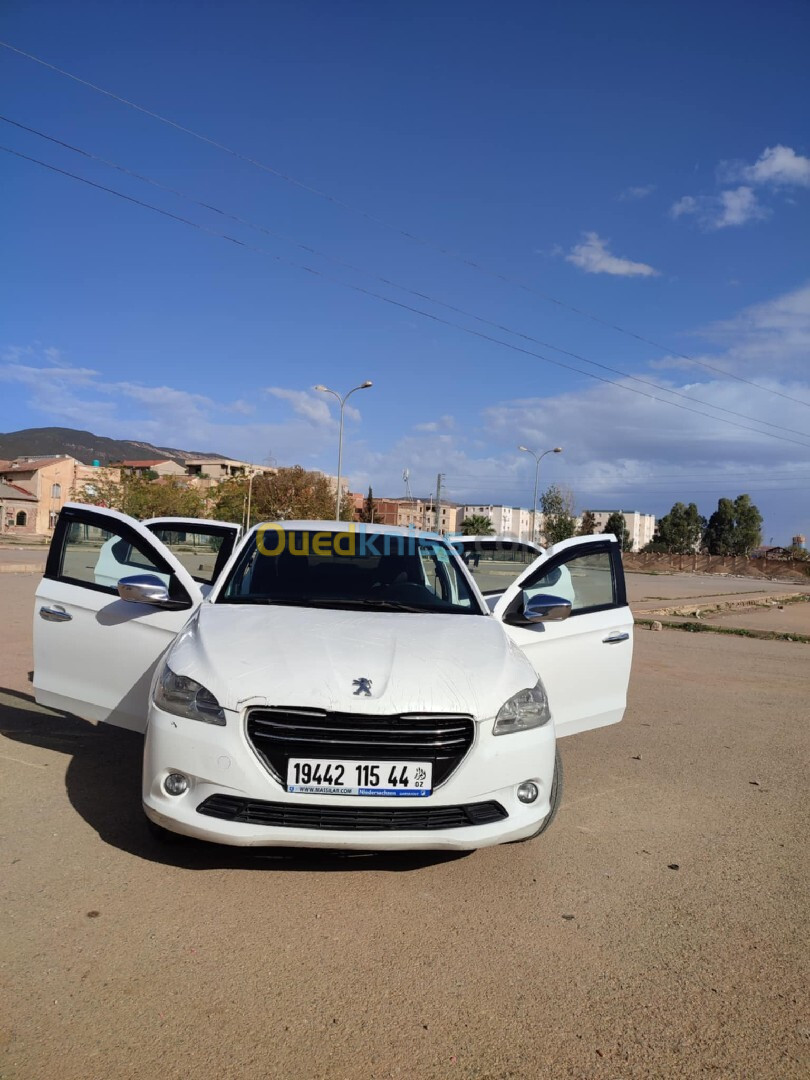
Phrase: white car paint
[102,662]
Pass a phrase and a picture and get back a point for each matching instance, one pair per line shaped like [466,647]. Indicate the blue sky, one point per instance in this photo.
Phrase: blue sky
[648,164]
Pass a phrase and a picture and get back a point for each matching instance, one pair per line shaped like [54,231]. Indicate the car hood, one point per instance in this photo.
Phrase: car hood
[311,657]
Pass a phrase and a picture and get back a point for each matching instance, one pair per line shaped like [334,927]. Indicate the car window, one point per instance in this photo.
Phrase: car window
[352,569]
[586,580]
[495,564]
[201,549]
[99,556]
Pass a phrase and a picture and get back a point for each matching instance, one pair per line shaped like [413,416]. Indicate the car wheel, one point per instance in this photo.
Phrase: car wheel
[556,798]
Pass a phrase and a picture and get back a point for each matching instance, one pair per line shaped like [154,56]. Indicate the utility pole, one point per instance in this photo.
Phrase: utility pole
[439,479]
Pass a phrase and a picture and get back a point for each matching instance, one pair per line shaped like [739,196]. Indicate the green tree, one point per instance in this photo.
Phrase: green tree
[617,524]
[680,531]
[142,498]
[476,525]
[587,525]
[559,523]
[719,538]
[369,511]
[735,528]
[289,494]
[747,525]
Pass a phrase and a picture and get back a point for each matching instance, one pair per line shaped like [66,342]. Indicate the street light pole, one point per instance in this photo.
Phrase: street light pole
[325,389]
[537,459]
[249,494]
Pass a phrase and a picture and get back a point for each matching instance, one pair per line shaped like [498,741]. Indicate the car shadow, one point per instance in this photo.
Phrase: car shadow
[103,784]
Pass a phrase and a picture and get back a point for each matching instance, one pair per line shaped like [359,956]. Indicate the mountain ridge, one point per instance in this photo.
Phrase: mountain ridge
[86,447]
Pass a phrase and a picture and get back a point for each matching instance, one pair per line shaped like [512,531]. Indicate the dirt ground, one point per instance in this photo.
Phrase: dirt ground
[659,929]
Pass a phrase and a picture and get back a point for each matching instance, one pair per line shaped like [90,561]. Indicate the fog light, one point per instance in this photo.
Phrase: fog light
[176,784]
[527,792]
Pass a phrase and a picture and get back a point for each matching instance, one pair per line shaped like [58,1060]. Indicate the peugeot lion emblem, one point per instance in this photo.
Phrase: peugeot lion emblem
[363,687]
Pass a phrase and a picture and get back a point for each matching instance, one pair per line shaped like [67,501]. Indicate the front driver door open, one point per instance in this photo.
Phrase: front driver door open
[95,654]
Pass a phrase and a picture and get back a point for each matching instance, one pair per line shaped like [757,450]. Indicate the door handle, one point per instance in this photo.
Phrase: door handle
[615,638]
[54,614]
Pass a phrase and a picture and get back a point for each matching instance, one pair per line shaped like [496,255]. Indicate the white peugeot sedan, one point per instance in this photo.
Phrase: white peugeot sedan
[322,684]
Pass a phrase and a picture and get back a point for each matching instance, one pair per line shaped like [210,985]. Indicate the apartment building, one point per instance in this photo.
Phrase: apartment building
[506,520]
[640,526]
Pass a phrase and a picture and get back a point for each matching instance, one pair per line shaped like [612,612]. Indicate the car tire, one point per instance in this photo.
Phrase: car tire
[555,800]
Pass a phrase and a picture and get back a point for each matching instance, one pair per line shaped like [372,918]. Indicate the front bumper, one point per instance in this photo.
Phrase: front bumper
[220,762]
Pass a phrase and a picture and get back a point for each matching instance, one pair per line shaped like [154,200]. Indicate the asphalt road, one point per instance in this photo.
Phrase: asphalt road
[659,929]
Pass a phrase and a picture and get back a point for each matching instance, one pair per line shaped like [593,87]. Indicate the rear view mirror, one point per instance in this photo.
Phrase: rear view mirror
[146,589]
[545,608]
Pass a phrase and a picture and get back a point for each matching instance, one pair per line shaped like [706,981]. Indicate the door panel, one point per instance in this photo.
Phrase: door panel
[95,654]
[584,660]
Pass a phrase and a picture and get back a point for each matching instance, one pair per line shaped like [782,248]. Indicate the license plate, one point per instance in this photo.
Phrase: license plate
[308,776]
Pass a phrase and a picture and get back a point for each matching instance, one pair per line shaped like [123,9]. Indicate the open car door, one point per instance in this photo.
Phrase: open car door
[94,653]
[583,660]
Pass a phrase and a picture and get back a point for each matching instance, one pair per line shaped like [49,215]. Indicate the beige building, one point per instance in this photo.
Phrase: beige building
[421,514]
[18,510]
[161,466]
[640,526]
[52,481]
[212,471]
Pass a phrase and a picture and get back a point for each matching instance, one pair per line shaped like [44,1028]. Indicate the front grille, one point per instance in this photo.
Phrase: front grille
[280,734]
[360,818]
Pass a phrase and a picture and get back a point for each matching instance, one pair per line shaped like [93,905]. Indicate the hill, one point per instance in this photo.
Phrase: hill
[85,446]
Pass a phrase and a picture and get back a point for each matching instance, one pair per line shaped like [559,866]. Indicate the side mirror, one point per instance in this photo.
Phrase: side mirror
[545,608]
[146,589]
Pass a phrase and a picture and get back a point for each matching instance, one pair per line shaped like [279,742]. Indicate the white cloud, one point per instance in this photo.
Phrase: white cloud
[444,423]
[633,194]
[768,339]
[776,166]
[736,206]
[593,257]
[310,406]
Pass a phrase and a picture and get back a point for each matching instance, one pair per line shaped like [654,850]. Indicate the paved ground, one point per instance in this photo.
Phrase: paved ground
[788,619]
[583,954]
[651,591]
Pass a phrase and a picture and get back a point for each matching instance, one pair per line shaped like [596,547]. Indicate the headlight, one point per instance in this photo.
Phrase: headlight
[526,709]
[184,697]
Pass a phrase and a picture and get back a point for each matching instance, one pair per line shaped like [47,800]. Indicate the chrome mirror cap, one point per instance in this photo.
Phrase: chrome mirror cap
[545,608]
[145,589]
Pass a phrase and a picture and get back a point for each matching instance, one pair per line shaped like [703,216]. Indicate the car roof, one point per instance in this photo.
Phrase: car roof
[499,538]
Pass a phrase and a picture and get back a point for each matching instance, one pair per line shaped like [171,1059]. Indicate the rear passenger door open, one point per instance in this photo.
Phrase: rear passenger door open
[584,660]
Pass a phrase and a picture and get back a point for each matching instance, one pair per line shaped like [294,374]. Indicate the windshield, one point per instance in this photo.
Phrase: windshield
[356,569]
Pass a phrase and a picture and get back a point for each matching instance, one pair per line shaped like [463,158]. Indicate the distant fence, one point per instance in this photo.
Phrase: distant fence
[782,569]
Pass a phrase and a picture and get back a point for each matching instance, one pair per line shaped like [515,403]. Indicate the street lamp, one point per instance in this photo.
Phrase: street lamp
[537,458]
[325,389]
[249,494]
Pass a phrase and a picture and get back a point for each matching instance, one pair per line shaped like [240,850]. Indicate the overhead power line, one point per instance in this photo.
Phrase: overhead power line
[393,284]
[395,303]
[407,234]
